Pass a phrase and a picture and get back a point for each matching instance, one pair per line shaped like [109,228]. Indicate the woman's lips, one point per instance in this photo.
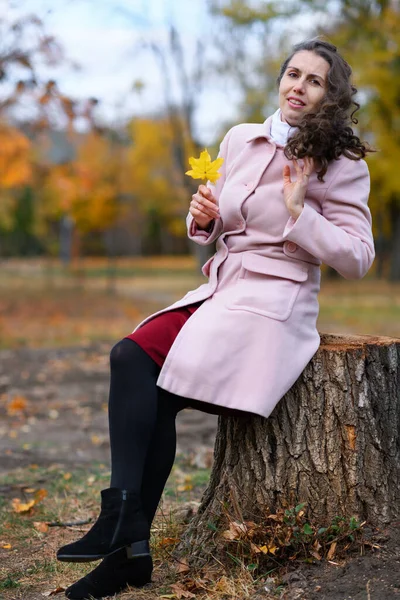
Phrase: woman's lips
[295,105]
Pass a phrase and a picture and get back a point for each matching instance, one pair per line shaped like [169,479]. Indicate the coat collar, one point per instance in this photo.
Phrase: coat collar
[261,130]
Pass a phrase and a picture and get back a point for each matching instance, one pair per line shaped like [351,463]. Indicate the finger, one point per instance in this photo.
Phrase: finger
[200,216]
[205,207]
[286,174]
[299,170]
[308,165]
[207,193]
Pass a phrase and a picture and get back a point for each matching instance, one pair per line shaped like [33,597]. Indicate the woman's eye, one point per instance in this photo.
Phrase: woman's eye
[315,81]
[292,74]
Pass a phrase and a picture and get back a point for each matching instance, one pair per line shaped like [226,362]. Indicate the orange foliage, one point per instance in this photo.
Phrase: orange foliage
[15,163]
[88,188]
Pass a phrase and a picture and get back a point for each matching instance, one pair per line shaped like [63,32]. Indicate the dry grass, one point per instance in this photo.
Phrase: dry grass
[28,544]
[44,304]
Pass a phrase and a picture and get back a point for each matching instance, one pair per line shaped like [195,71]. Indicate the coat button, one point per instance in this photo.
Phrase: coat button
[249,184]
[291,246]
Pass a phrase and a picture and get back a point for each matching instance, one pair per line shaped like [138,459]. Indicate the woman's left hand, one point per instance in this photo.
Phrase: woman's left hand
[294,191]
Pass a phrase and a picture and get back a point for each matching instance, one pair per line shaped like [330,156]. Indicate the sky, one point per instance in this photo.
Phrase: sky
[102,40]
[101,43]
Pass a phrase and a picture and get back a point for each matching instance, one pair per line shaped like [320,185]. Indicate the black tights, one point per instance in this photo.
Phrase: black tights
[142,424]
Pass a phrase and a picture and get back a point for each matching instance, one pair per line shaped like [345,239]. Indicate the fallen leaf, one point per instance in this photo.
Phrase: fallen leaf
[67,476]
[41,526]
[54,592]
[275,517]
[255,549]
[6,546]
[181,592]
[169,541]
[182,566]
[185,488]
[40,494]
[17,405]
[22,507]
[332,551]
[235,532]
[270,548]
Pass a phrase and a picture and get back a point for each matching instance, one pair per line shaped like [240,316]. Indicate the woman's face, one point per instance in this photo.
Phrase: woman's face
[303,85]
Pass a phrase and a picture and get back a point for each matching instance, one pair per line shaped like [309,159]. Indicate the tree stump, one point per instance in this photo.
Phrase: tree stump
[332,442]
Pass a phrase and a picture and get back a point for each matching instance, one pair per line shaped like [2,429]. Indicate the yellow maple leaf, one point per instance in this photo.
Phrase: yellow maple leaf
[204,168]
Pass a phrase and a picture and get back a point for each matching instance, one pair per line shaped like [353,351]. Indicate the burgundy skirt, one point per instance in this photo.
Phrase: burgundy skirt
[157,335]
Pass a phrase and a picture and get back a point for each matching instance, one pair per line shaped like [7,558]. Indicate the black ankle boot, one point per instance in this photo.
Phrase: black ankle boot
[121,524]
[111,576]
[95,544]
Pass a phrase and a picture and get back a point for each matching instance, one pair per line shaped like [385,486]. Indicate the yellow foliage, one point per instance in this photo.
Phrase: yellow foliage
[154,176]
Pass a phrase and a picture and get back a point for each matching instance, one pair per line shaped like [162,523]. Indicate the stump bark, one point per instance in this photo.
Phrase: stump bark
[332,442]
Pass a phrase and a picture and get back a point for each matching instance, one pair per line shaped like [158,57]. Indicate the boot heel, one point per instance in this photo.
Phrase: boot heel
[137,549]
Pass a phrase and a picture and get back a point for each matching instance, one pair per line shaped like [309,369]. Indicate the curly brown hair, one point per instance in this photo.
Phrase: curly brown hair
[327,134]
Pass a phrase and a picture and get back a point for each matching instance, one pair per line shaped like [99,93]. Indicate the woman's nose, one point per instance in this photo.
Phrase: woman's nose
[299,87]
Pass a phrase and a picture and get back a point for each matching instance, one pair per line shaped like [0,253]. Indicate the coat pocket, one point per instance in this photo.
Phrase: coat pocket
[267,286]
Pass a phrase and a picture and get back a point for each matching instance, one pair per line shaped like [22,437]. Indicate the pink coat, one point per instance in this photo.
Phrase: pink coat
[256,330]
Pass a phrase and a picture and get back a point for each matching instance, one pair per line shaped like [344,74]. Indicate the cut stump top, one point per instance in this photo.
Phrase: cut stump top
[344,342]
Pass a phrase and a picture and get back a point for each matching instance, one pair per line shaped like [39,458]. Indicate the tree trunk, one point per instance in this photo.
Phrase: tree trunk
[332,442]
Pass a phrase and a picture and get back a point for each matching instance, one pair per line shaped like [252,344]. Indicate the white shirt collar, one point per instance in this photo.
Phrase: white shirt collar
[280,130]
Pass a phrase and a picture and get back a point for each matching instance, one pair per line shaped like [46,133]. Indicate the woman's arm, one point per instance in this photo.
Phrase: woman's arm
[209,235]
[341,236]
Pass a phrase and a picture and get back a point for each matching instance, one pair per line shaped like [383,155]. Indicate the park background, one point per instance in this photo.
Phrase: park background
[101,105]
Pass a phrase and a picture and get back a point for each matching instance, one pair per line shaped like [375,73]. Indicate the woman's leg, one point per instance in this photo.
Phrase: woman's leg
[132,416]
[161,455]
[132,412]
[116,571]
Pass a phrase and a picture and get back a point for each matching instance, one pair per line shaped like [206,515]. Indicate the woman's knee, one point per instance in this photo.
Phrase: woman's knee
[127,355]
[125,352]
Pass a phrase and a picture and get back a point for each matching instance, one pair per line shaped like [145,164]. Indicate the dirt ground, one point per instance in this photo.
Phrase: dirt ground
[60,417]
[66,394]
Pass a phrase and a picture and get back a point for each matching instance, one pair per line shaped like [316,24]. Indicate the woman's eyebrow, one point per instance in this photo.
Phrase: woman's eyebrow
[310,74]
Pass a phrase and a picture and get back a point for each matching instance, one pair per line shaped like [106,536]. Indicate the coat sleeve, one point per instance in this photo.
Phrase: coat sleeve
[202,236]
[341,236]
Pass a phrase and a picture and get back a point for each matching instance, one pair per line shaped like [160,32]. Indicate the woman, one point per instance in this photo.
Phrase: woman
[237,343]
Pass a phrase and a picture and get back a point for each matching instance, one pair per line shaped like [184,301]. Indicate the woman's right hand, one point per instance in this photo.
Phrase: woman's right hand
[204,207]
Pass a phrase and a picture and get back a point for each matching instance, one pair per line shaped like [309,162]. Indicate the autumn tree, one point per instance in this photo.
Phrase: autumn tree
[155,179]
[15,173]
[30,106]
